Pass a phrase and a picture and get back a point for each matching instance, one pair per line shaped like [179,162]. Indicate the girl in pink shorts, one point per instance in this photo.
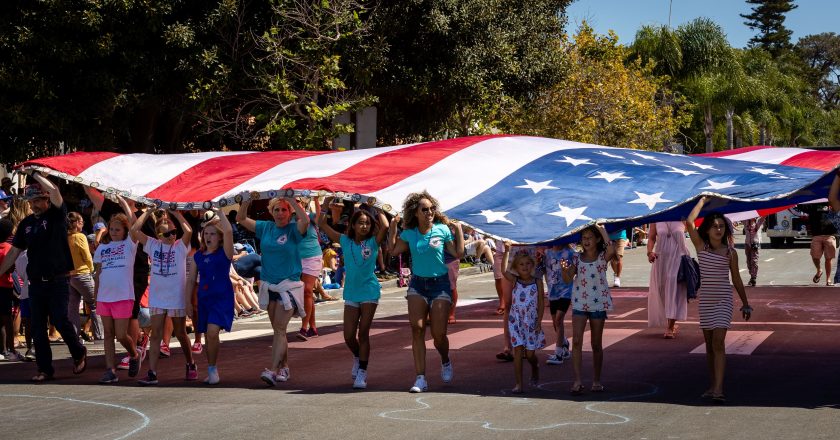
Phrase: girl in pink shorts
[114,275]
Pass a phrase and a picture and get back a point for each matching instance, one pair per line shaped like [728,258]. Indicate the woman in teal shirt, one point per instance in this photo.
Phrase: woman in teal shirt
[311,261]
[280,262]
[426,235]
[361,288]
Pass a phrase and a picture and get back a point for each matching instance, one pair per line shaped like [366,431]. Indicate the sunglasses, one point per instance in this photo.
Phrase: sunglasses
[167,234]
[429,209]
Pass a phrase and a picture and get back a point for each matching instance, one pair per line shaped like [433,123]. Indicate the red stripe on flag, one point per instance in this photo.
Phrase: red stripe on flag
[73,163]
[725,153]
[817,160]
[386,169]
[215,177]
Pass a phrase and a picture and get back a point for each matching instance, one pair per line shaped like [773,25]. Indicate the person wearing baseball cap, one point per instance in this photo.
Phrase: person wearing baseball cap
[44,235]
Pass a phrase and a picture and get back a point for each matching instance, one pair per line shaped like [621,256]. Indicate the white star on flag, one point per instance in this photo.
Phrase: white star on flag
[537,186]
[679,171]
[494,216]
[615,156]
[649,199]
[609,177]
[765,171]
[635,162]
[702,166]
[576,162]
[645,156]
[570,214]
[720,185]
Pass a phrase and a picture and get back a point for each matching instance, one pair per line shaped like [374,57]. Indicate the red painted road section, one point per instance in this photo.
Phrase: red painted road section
[792,358]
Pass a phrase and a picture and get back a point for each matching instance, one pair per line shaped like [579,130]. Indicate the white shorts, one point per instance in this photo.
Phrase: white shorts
[312,266]
[469,248]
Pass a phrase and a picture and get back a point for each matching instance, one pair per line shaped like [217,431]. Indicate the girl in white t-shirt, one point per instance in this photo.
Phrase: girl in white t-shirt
[167,287]
[113,276]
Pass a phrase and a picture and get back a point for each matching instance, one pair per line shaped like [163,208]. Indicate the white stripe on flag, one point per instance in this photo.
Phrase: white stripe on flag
[142,173]
[773,155]
[310,168]
[482,162]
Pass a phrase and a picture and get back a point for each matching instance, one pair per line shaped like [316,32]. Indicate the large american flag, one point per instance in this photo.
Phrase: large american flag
[527,189]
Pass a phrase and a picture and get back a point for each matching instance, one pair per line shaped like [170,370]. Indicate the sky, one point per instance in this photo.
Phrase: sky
[625,17]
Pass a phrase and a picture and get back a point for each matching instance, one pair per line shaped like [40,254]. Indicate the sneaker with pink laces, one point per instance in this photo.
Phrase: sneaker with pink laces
[197,348]
[192,372]
[124,363]
[282,375]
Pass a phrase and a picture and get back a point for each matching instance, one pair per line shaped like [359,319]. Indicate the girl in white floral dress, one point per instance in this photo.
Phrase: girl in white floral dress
[525,304]
[591,300]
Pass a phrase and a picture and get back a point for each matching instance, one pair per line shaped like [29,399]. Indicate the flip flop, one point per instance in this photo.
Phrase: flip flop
[706,394]
[817,277]
[577,391]
[718,398]
[501,311]
[829,283]
[451,321]
[504,356]
[42,377]
[597,388]
[80,365]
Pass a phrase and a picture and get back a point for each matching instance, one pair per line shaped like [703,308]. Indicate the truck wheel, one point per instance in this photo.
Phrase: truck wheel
[777,242]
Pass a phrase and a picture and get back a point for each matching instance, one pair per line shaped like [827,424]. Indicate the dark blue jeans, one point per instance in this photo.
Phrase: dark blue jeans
[248,266]
[48,300]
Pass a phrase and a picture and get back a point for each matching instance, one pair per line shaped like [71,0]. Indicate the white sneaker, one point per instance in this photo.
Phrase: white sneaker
[446,372]
[420,385]
[554,359]
[355,367]
[617,282]
[361,380]
[268,377]
[283,375]
[212,376]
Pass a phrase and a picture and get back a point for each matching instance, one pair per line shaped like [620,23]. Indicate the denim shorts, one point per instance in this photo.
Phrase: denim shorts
[430,288]
[275,296]
[359,304]
[601,314]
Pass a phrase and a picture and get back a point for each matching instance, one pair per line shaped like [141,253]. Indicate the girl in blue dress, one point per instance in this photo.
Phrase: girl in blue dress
[215,291]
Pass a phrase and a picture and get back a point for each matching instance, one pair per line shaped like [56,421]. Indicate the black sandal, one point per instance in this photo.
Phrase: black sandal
[79,365]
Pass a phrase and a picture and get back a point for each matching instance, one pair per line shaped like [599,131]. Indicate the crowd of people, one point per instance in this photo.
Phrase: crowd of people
[142,275]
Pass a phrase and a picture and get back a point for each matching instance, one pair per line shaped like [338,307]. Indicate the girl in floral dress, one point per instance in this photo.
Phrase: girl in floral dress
[525,307]
[591,300]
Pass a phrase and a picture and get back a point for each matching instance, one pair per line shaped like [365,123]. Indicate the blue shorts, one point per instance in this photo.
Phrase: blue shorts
[25,308]
[430,288]
[275,296]
[355,304]
[602,314]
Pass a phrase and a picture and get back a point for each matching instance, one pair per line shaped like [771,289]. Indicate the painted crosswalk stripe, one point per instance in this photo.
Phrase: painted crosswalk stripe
[332,339]
[611,336]
[466,337]
[743,343]
[624,315]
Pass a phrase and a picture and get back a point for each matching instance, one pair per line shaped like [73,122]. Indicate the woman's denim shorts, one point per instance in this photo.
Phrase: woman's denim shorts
[430,288]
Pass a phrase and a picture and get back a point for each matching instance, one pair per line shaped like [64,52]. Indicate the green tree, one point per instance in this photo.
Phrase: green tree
[821,55]
[604,100]
[457,67]
[768,17]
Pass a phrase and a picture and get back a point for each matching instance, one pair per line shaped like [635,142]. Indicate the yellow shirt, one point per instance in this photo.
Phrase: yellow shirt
[79,250]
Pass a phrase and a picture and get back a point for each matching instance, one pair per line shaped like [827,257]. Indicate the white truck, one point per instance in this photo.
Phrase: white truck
[786,226]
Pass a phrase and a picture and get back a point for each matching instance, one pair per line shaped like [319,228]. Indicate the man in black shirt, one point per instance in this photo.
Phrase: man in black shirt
[44,235]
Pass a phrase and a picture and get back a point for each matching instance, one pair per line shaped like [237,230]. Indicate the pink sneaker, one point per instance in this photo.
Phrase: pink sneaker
[124,363]
[164,351]
[192,372]
[197,348]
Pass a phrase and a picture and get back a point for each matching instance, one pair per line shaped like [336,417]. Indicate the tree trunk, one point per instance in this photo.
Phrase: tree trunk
[730,129]
[708,128]
[762,134]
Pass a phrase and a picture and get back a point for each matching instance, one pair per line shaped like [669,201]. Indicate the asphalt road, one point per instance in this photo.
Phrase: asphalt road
[781,380]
